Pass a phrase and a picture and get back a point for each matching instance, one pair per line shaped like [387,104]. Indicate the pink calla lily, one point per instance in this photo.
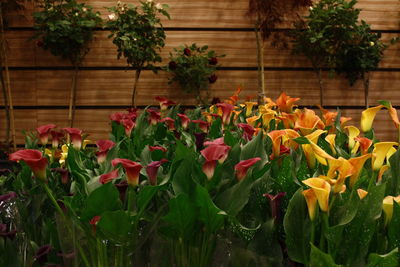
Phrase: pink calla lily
[104,146]
[152,169]
[184,120]
[212,154]
[154,116]
[75,135]
[164,102]
[248,130]
[226,112]
[132,170]
[56,138]
[44,132]
[243,166]
[34,159]
[108,177]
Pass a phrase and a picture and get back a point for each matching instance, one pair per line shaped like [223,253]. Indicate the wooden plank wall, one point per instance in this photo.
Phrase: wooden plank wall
[40,82]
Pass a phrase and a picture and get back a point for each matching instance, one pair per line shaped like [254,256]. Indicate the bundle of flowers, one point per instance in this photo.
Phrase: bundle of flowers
[235,183]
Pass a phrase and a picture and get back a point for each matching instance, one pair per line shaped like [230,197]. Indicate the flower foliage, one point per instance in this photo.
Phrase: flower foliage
[65,28]
[137,32]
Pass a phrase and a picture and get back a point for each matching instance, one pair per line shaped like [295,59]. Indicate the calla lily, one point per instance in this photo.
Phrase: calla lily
[368,116]
[286,103]
[34,159]
[394,117]
[75,136]
[288,120]
[379,153]
[383,169]
[154,116]
[56,138]
[361,193]
[388,207]
[321,189]
[344,169]
[44,132]
[275,204]
[199,137]
[353,133]
[184,120]
[64,154]
[117,117]
[212,154]
[311,200]
[249,107]
[267,117]
[152,148]
[103,147]
[307,121]
[243,166]
[314,151]
[276,137]
[170,123]
[252,120]
[164,102]
[132,170]
[86,142]
[365,144]
[287,139]
[64,173]
[203,125]
[152,170]
[108,177]
[248,130]
[94,221]
[128,126]
[218,141]
[389,154]
[357,164]
[330,138]
[226,112]
[235,97]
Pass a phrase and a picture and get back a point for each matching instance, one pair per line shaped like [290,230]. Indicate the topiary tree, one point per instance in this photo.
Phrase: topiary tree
[266,15]
[65,28]
[138,34]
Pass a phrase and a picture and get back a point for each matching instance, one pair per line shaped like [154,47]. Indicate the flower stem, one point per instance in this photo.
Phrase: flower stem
[372,180]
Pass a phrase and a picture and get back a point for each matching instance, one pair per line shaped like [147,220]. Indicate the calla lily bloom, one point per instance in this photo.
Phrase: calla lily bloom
[267,117]
[235,97]
[154,116]
[108,177]
[358,164]
[353,133]
[152,169]
[307,121]
[243,166]
[104,146]
[383,169]
[152,148]
[394,117]
[288,120]
[94,221]
[388,207]
[311,200]
[286,103]
[275,204]
[203,125]
[226,112]
[365,144]
[249,107]
[368,116]
[361,193]
[389,154]
[276,137]
[44,132]
[128,126]
[287,139]
[64,173]
[379,153]
[321,189]
[34,159]
[64,154]
[344,169]
[252,120]
[56,138]
[164,102]
[218,141]
[212,154]
[132,170]
[75,136]
[320,154]
[330,138]
[248,130]
[117,117]
[170,123]
[184,120]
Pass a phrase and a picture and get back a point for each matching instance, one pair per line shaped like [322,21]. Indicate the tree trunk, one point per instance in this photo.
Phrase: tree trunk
[321,86]
[72,97]
[135,82]
[366,89]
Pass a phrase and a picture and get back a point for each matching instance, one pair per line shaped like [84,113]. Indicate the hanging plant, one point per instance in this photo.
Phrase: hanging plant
[266,15]
[193,69]
[138,34]
[65,28]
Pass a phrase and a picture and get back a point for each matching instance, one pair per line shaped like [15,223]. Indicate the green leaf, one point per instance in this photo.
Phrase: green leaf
[115,225]
[297,227]
[388,260]
[144,197]
[321,259]
[393,228]
[394,182]
[385,103]
[212,217]
[105,198]
[302,140]
[254,148]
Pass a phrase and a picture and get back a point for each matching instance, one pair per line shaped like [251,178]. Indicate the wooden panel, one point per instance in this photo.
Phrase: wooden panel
[239,48]
[25,120]
[232,13]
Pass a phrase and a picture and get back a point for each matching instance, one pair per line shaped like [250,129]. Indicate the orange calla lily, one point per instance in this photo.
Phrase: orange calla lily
[353,133]
[287,119]
[365,144]
[388,207]
[379,154]
[357,164]
[252,120]
[368,116]
[311,200]
[361,193]
[287,139]
[394,117]
[322,190]
[276,137]
[330,138]
[286,103]
[320,154]
[307,121]
[383,169]
[345,170]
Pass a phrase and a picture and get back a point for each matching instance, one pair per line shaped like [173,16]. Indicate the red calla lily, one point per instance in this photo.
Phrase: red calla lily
[128,126]
[164,102]
[170,123]
[104,146]
[75,135]
[184,120]
[242,167]
[218,141]
[211,154]
[34,159]
[108,177]
[152,148]
[203,125]
[44,132]
[132,170]
[154,116]
[56,138]
[152,170]
[248,130]
[226,112]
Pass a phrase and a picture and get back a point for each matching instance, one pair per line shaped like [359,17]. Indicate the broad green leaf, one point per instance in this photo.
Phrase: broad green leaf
[321,259]
[394,182]
[394,227]
[254,148]
[301,140]
[391,259]
[297,227]
[182,181]
[115,225]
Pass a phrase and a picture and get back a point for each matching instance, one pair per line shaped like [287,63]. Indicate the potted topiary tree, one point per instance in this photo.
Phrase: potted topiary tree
[65,28]
[138,34]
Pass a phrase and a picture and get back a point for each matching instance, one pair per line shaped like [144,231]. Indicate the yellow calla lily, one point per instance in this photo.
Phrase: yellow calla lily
[390,153]
[311,200]
[388,207]
[307,121]
[330,138]
[313,137]
[286,103]
[48,152]
[252,120]
[344,169]
[379,154]
[249,107]
[361,193]
[64,154]
[276,137]
[368,116]
[383,169]
[353,133]
[355,148]
[85,143]
[357,164]
[310,156]
[322,190]
[320,154]
[287,139]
